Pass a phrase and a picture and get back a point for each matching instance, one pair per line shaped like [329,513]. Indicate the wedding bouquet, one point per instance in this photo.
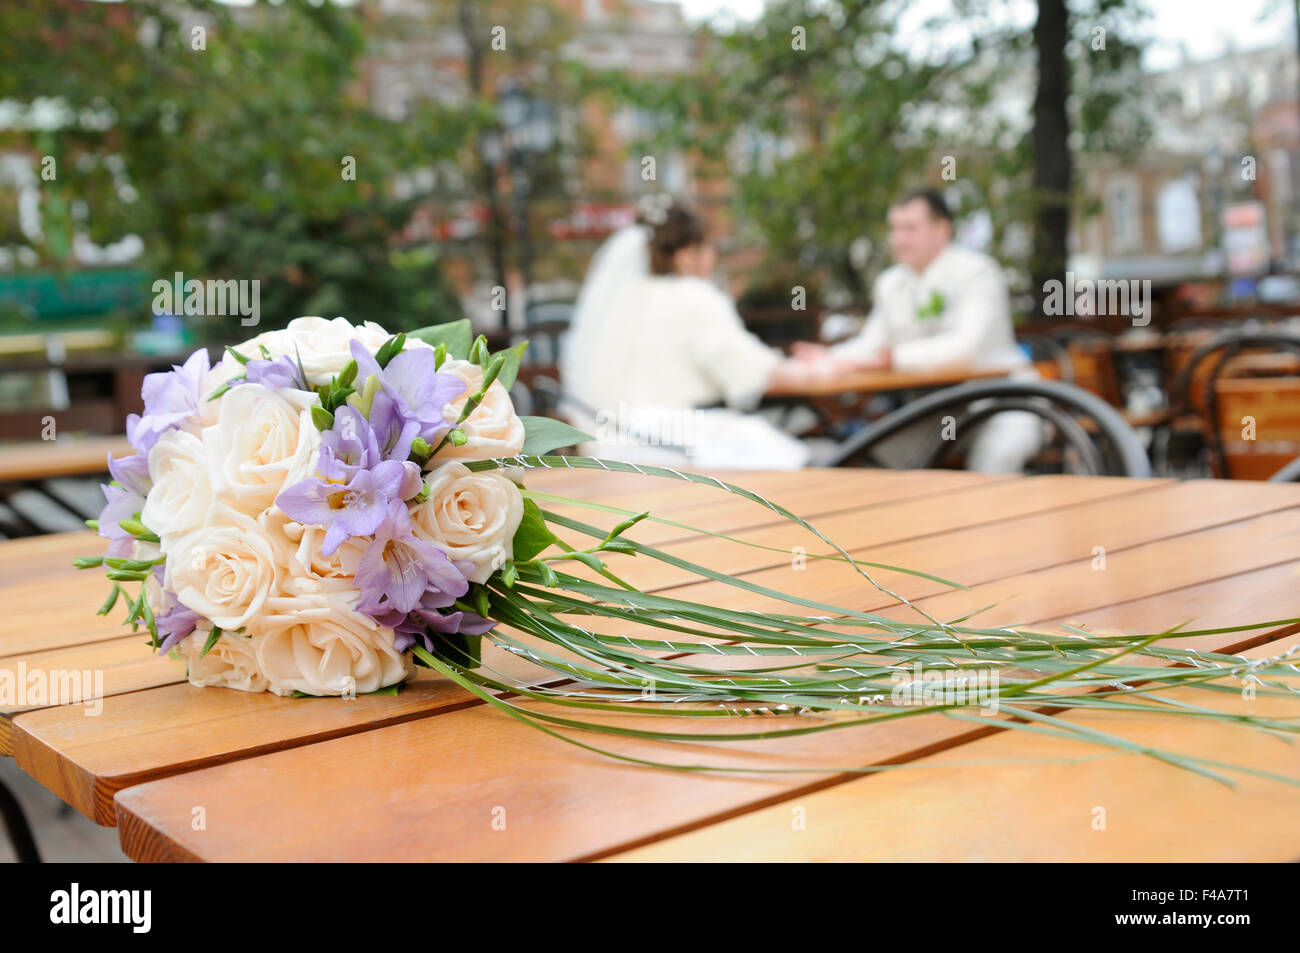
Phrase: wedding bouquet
[329,506]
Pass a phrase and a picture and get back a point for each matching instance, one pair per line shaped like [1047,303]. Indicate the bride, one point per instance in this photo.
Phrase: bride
[658,366]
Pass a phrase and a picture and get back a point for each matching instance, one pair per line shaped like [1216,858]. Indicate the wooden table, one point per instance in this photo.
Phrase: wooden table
[38,459]
[879,382]
[213,774]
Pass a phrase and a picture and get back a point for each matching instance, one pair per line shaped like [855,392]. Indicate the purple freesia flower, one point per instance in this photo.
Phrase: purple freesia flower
[354,507]
[393,432]
[417,624]
[122,504]
[170,399]
[348,447]
[281,372]
[411,380]
[174,624]
[124,501]
[132,472]
[398,570]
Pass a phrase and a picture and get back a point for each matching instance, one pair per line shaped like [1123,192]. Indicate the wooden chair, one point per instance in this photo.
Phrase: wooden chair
[1258,425]
[1198,390]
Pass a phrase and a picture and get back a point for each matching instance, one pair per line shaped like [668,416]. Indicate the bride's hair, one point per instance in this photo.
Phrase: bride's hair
[672,228]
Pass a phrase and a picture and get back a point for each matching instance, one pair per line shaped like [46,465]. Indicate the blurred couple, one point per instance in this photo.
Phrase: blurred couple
[660,368]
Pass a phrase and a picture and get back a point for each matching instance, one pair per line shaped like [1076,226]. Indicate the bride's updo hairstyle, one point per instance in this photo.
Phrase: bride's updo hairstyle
[672,228]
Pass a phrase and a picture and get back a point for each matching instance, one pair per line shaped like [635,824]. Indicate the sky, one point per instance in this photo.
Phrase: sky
[1203,26]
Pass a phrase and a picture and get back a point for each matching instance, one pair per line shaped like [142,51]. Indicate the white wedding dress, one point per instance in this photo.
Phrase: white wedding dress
[660,369]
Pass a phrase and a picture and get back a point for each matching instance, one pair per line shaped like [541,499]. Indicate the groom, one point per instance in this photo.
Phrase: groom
[940,305]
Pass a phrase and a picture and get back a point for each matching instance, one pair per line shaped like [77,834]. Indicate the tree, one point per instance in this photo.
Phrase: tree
[233,141]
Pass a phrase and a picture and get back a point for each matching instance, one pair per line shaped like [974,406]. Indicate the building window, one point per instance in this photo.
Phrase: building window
[1124,213]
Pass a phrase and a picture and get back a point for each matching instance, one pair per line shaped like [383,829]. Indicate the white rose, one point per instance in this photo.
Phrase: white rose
[263,441]
[226,569]
[321,345]
[305,569]
[471,516]
[493,429]
[230,663]
[180,467]
[319,645]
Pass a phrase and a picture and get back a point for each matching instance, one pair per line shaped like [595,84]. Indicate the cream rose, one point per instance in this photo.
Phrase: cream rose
[471,516]
[319,645]
[321,345]
[263,441]
[230,663]
[179,465]
[493,429]
[226,569]
[305,569]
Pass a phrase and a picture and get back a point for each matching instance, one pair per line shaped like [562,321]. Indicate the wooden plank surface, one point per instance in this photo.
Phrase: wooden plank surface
[1020,796]
[50,630]
[148,734]
[47,458]
[431,788]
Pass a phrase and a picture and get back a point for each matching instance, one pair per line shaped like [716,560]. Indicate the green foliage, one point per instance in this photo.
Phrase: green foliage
[231,161]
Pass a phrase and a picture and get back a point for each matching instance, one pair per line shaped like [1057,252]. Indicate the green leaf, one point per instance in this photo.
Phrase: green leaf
[110,601]
[348,374]
[544,434]
[533,535]
[322,418]
[390,349]
[510,367]
[212,640]
[457,336]
[138,530]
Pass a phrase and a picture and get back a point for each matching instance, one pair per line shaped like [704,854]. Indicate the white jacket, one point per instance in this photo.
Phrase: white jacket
[973,325]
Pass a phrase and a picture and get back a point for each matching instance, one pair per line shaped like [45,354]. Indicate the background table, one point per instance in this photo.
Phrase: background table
[432,773]
[879,382]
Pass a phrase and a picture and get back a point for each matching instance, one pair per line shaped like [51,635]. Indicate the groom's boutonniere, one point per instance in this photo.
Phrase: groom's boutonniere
[932,308]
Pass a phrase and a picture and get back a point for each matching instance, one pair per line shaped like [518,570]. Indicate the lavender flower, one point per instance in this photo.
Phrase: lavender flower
[123,501]
[417,624]
[170,399]
[281,372]
[398,571]
[393,432]
[411,380]
[175,624]
[132,472]
[122,504]
[348,447]
[354,507]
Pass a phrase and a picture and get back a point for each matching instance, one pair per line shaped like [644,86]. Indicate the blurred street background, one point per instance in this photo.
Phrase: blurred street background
[414,161]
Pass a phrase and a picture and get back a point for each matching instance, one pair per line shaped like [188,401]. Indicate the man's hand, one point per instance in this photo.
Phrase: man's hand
[809,351]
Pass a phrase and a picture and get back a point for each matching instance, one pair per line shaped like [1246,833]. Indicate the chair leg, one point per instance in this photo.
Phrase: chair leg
[20,832]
